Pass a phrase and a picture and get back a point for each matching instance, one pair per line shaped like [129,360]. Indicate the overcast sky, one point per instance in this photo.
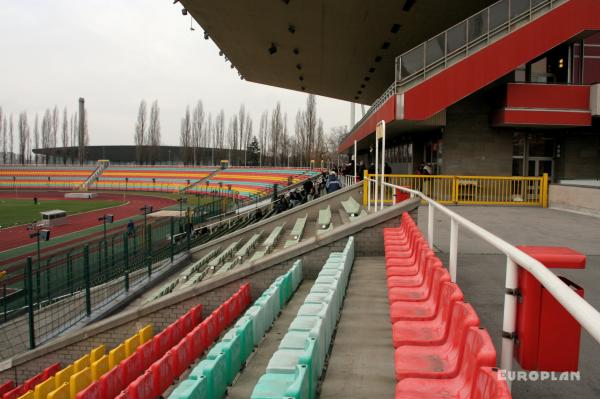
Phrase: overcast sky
[117,52]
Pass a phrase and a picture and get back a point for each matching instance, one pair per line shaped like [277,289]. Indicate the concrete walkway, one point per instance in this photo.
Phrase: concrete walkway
[361,364]
[257,364]
[481,274]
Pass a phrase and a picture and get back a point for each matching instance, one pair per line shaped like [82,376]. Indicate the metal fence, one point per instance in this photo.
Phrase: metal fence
[464,190]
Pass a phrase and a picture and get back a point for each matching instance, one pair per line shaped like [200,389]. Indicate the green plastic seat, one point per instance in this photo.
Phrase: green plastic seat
[259,324]
[191,389]
[315,328]
[215,372]
[283,385]
[325,297]
[323,311]
[244,327]
[266,302]
[231,346]
[286,360]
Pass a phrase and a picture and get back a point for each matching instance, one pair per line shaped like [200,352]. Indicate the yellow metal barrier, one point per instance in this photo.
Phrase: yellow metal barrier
[468,190]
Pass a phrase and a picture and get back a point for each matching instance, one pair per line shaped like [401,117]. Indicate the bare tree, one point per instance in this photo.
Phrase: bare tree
[23,137]
[10,139]
[65,135]
[54,131]
[185,136]
[232,133]
[219,130]
[36,136]
[140,132]
[276,130]
[210,138]
[154,131]
[47,133]
[263,133]
[197,129]
[3,135]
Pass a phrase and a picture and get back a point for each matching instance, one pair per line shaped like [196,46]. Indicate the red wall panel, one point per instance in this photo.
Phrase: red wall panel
[500,58]
[387,113]
[523,95]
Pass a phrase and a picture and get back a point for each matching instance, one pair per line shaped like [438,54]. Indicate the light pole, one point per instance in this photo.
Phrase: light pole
[107,218]
[40,235]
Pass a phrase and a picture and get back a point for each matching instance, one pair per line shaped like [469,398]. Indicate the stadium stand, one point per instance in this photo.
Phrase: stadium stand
[211,376]
[44,177]
[248,182]
[440,348]
[140,178]
[297,365]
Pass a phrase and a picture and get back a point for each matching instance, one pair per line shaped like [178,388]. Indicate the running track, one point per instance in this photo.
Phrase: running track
[19,235]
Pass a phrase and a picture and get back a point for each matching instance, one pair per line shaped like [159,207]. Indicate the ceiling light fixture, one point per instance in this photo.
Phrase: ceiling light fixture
[296,51]
[292,29]
[272,49]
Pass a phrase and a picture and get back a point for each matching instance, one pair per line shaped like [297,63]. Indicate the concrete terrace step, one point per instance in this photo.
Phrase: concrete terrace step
[361,363]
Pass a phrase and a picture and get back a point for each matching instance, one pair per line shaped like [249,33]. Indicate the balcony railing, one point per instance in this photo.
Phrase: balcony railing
[458,42]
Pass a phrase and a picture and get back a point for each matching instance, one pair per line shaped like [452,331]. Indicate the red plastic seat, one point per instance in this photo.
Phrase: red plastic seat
[436,360]
[198,341]
[93,391]
[51,370]
[112,383]
[410,264]
[6,387]
[187,323]
[413,281]
[178,330]
[132,367]
[436,331]
[489,385]
[147,354]
[426,310]
[211,327]
[246,295]
[14,393]
[33,381]
[220,315]
[182,357]
[142,387]
[162,374]
[402,252]
[478,351]
[435,277]
[162,342]
[418,268]
[196,312]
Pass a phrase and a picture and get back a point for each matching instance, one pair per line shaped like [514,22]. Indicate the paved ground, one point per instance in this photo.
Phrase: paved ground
[362,358]
[481,276]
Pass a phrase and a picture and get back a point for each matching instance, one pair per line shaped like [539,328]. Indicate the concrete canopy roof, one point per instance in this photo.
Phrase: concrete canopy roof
[337,41]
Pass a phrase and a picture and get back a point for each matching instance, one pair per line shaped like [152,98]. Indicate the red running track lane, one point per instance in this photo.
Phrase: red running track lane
[19,235]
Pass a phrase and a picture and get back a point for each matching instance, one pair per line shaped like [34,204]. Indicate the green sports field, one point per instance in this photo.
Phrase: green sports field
[20,211]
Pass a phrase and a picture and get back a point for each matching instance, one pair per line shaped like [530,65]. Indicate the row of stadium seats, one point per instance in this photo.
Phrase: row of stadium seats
[219,259]
[295,368]
[210,378]
[173,350]
[57,383]
[44,177]
[440,348]
[166,179]
[248,182]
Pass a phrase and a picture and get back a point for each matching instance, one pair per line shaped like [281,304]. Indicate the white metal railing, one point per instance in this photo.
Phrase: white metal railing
[587,316]
[349,180]
[458,42]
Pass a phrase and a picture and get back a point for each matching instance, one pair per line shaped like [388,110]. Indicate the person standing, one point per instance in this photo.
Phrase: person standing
[333,183]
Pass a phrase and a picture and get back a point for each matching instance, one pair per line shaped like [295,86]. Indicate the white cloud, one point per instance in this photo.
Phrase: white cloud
[116,52]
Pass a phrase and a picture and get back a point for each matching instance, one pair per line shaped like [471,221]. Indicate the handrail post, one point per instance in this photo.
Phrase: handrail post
[368,181]
[509,320]
[430,216]
[453,249]
[29,290]
[87,279]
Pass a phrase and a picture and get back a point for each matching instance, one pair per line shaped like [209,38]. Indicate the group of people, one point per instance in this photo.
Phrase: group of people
[327,183]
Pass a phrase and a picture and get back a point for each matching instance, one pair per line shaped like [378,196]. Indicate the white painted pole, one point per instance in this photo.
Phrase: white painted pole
[355,162]
[430,216]
[376,171]
[382,163]
[453,249]
[509,321]
[369,194]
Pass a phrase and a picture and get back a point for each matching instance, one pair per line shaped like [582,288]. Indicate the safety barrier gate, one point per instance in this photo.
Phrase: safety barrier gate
[463,190]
